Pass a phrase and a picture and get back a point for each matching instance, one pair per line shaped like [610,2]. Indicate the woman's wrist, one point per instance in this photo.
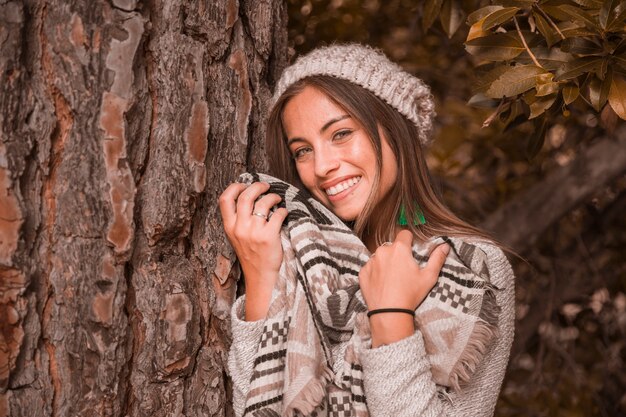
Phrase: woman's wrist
[388,328]
[391,310]
[258,295]
[257,304]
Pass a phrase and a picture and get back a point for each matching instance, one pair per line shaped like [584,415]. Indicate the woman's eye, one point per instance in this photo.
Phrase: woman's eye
[342,134]
[301,153]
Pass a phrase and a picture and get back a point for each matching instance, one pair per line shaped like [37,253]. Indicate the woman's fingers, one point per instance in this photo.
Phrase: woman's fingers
[245,201]
[405,237]
[228,203]
[265,203]
[239,203]
[437,259]
[277,219]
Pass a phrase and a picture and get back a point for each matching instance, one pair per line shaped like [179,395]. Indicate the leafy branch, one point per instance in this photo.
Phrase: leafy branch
[539,58]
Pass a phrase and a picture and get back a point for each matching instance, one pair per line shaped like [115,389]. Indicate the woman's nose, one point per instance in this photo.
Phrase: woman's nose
[326,160]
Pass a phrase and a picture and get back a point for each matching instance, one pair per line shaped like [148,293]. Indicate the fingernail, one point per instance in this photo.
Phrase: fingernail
[446,248]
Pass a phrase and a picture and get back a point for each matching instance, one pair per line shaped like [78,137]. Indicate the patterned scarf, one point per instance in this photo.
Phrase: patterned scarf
[318,315]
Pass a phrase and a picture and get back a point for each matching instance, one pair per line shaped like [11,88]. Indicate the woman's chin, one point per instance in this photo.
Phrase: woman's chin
[346,212]
[346,215]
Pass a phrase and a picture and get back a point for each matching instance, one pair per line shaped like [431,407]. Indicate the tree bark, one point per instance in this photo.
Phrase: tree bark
[121,123]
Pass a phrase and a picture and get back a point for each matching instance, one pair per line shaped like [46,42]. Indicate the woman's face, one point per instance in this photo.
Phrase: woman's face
[334,157]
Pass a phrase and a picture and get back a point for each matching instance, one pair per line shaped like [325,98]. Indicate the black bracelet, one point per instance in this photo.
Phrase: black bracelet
[391,310]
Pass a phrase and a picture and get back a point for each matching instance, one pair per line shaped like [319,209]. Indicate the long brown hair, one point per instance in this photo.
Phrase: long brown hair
[412,191]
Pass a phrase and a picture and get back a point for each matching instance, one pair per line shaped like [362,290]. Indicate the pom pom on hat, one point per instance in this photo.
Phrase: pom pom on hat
[372,70]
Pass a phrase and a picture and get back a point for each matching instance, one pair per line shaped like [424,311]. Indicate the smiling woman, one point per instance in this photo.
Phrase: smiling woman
[348,127]
[334,156]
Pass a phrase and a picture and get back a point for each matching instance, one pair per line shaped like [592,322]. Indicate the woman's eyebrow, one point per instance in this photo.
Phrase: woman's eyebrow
[292,140]
[335,120]
[326,126]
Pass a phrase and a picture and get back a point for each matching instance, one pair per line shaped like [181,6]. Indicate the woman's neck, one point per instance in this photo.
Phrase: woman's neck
[370,243]
[369,239]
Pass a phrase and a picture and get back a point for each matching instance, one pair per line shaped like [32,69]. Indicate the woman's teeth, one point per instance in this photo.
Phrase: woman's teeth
[336,189]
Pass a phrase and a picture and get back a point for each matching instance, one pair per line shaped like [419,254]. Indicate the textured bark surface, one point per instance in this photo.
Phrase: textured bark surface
[121,122]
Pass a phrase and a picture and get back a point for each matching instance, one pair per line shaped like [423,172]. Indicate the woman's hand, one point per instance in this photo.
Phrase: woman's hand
[255,239]
[392,278]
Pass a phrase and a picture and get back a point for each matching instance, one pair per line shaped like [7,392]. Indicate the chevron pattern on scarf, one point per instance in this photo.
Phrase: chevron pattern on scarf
[319,308]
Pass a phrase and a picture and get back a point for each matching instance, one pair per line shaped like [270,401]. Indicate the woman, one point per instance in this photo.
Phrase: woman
[348,126]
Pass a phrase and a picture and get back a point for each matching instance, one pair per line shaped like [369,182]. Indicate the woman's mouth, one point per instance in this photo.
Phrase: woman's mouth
[342,188]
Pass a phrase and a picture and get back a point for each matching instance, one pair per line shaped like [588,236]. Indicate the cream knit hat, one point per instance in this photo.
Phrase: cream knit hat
[372,70]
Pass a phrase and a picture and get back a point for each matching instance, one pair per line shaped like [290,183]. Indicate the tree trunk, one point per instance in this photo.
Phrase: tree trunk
[121,122]
[525,217]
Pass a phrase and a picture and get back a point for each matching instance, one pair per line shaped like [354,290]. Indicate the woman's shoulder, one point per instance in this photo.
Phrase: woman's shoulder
[488,253]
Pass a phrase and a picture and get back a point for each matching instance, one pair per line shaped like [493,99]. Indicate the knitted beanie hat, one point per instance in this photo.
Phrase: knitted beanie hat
[372,70]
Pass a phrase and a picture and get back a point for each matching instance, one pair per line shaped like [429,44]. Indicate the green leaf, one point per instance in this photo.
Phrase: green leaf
[536,140]
[517,115]
[608,119]
[590,4]
[620,47]
[529,97]
[617,18]
[451,16]
[605,12]
[620,60]
[481,13]
[515,81]
[524,4]
[617,95]
[482,101]
[605,88]
[545,78]
[476,31]
[497,47]
[570,93]
[555,12]
[577,14]
[546,29]
[582,46]
[547,89]
[539,106]
[577,67]
[571,30]
[485,80]
[431,10]
[602,69]
[571,13]
[596,91]
[549,58]
[532,39]
[499,16]
[593,92]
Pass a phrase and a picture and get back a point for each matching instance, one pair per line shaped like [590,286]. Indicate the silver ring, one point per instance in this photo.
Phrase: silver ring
[387,244]
[256,213]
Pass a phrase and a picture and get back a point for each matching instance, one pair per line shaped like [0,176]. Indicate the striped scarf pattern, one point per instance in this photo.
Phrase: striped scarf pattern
[319,311]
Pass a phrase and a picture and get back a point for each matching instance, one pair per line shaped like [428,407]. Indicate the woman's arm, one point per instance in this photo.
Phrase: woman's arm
[246,336]
[397,377]
[393,279]
[255,237]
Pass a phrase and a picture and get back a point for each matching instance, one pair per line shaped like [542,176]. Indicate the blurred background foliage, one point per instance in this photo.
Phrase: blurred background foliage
[505,156]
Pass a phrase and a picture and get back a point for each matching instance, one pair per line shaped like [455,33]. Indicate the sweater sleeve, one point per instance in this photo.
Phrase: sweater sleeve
[246,336]
[397,377]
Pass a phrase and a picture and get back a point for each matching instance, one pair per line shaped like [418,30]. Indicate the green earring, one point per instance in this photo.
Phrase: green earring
[419,217]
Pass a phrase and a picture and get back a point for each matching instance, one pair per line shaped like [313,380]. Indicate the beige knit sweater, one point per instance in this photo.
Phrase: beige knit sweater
[397,377]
